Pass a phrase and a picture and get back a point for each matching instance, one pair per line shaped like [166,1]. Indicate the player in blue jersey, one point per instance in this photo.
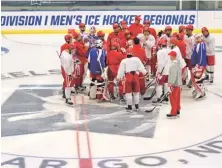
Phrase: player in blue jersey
[199,62]
[96,60]
[92,37]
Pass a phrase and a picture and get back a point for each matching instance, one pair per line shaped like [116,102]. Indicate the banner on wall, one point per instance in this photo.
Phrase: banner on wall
[100,19]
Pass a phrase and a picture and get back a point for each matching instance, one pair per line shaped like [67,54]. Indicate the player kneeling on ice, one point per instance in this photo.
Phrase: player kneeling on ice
[174,84]
[163,62]
[129,69]
[67,64]
[96,60]
[199,62]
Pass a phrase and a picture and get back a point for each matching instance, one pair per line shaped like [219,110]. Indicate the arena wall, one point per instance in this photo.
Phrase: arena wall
[57,22]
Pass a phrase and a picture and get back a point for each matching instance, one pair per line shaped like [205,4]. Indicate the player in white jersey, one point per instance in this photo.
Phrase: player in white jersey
[163,61]
[67,64]
[147,41]
[167,34]
[210,46]
[189,41]
[129,69]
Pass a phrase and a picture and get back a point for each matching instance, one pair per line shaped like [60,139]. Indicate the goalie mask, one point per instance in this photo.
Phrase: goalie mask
[99,43]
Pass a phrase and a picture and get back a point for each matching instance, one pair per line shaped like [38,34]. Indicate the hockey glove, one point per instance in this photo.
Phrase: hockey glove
[70,77]
[158,77]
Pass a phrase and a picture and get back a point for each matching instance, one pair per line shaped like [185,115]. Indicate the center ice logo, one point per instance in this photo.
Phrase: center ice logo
[37,110]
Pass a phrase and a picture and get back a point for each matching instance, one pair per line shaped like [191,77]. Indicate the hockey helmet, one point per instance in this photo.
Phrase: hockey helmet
[168,28]
[82,25]
[68,38]
[203,29]
[162,42]
[99,43]
[173,40]
[172,53]
[181,28]
[100,34]
[189,27]
[146,22]
[115,25]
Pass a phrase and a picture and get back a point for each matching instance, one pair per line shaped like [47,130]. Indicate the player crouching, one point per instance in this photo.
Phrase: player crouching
[96,65]
[199,62]
[67,65]
[174,83]
[129,69]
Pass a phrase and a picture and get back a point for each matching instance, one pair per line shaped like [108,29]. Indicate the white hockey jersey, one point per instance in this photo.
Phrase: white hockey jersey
[67,62]
[210,44]
[128,65]
[147,42]
[189,41]
[179,56]
[163,61]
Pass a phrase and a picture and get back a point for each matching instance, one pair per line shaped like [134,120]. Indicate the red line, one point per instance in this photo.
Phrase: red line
[77,130]
[89,162]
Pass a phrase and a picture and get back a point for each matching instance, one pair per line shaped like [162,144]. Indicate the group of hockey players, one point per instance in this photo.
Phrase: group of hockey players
[133,54]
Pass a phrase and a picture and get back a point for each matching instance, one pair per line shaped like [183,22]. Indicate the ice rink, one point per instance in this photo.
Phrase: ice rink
[40,131]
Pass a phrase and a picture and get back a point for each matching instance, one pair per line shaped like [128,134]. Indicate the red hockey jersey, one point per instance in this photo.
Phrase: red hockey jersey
[182,46]
[136,29]
[81,51]
[114,38]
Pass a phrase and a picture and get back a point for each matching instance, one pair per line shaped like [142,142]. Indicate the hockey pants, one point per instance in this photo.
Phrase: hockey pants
[175,100]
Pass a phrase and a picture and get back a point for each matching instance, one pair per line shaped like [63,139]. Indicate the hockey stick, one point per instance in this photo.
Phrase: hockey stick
[151,110]
[154,90]
[58,54]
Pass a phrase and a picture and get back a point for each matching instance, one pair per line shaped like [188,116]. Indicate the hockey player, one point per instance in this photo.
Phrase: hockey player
[81,51]
[127,42]
[210,44]
[147,41]
[67,65]
[101,36]
[115,36]
[199,62]
[182,29]
[82,30]
[96,61]
[92,37]
[162,73]
[189,41]
[174,47]
[139,52]
[136,28]
[167,34]
[114,57]
[65,46]
[146,23]
[129,69]
[174,83]
[123,25]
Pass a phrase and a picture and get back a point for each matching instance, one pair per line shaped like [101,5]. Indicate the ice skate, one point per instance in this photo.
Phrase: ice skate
[200,96]
[170,116]
[112,97]
[137,109]
[129,108]
[82,88]
[211,80]
[69,102]
[122,99]
[178,113]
